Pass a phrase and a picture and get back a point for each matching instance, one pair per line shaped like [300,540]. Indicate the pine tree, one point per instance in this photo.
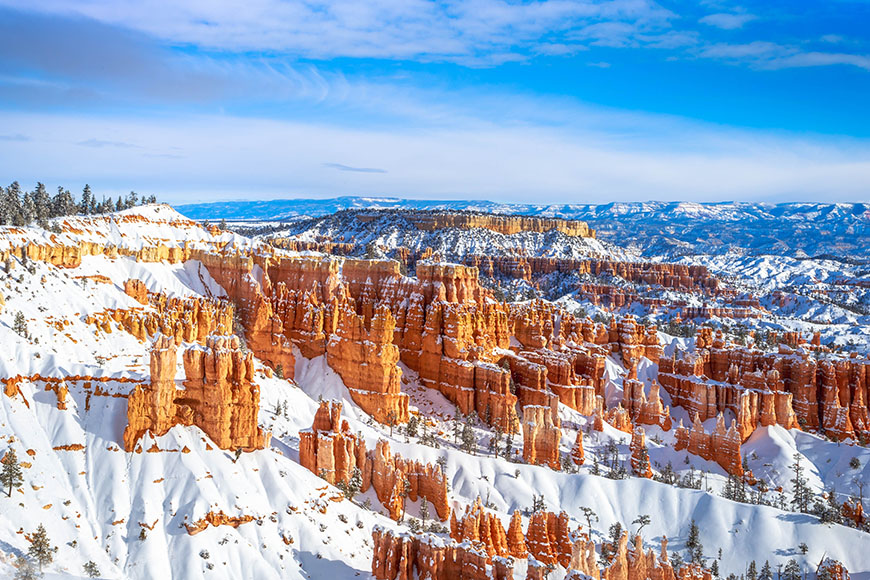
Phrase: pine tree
[91,569]
[468,440]
[25,569]
[643,520]
[354,484]
[413,423]
[41,548]
[801,494]
[766,573]
[19,326]
[42,203]
[752,572]
[63,203]
[86,205]
[424,510]
[10,473]
[792,571]
[590,515]
[714,568]
[693,544]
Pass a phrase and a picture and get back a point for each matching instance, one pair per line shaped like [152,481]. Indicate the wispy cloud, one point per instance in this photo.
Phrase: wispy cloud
[16,137]
[653,157]
[726,20]
[342,167]
[106,143]
[771,55]
[473,32]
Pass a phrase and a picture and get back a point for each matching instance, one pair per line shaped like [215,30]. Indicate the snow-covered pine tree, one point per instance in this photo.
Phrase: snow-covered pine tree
[40,547]
[766,572]
[10,473]
[86,205]
[693,544]
[19,326]
[792,570]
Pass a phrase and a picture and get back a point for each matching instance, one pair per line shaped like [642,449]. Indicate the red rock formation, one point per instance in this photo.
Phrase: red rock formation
[151,407]
[502,224]
[483,529]
[632,562]
[641,410]
[577,454]
[400,556]
[216,519]
[220,397]
[830,569]
[516,540]
[220,389]
[136,289]
[721,446]
[332,452]
[541,435]
[366,359]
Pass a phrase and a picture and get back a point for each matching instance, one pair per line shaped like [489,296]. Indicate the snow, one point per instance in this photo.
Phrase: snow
[92,501]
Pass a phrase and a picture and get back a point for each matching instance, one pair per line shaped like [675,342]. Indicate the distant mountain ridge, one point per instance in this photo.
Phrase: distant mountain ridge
[654,228]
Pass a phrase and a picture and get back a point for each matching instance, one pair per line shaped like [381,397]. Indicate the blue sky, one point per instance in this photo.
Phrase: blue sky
[555,100]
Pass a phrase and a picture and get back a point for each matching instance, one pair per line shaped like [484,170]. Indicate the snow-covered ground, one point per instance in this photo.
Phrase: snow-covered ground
[95,500]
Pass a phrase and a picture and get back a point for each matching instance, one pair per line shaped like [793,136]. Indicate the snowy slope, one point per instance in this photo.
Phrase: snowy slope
[95,500]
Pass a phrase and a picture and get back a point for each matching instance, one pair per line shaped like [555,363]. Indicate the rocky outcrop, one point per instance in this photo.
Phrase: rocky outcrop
[137,290]
[577,454]
[632,562]
[645,411]
[405,556]
[220,396]
[482,529]
[721,446]
[151,407]
[789,387]
[502,224]
[332,452]
[367,361]
[184,319]
[541,435]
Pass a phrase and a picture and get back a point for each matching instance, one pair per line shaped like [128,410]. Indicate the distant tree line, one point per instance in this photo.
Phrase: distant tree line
[22,208]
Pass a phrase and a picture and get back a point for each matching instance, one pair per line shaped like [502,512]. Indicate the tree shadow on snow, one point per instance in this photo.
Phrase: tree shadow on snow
[325,568]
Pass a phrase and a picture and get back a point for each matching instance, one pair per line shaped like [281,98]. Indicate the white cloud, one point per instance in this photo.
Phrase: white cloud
[727,21]
[636,157]
[771,55]
[456,30]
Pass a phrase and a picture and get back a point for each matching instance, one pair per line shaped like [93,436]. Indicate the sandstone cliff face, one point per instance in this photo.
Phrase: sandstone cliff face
[478,549]
[502,224]
[136,289]
[331,451]
[152,407]
[366,359]
[787,388]
[224,399]
[183,319]
[721,446]
[406,556]
[220,397]
[541,435]
[482,529]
